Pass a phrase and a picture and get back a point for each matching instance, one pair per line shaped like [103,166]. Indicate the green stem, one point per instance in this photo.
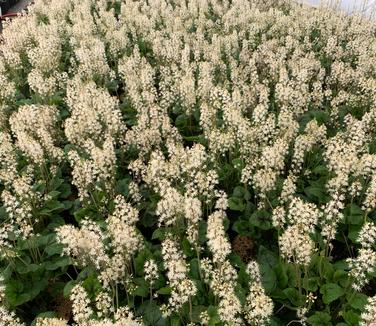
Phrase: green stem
[298,278]
[190,309]
[117,296]
[199,262]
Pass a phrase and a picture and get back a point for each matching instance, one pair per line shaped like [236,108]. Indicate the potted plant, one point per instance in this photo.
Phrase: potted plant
[4,4]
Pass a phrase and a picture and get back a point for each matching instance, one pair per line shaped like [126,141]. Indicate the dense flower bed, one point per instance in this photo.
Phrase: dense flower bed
[206,162]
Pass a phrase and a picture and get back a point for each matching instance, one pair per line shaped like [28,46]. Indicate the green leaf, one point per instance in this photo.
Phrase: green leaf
[320,319]
[196,312]
[354,214]
[160,233]
[44,240]
[202,228]
[80,214]
[187,248]
[122,186]
[194,271]
[55,222]
[151,314]
[320,170]
[142,289]
[341,265]
[112,85]
[6,273]
[53,206]
[3,213]
[65,190]
[240,294]
[149,219]
[53,194]
[39,187]
[23,269]
[86,273]
[313,284]
[261,219]
[54,249]
[57,263]
[226,223]
[182,121]
[281,274]
[214,317]
[340,276]
[92,285]
[372,146]
[293,295]
[357,300]
[351,317]
[327,268]
[317,192]
[235,260]
[354,232]
[274,321]
[34,287]
[165,290]
[321,116]
[14,293]
[139,261]
[331,292]
[241,192]
[266,256]
[175,321]
[68,288]
[238,164]
[267,261]
[241,227]
[236,204]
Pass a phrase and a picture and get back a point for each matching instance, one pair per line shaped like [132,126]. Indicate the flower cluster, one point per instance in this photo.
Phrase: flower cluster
[183,289]
[368,317]
[365,262]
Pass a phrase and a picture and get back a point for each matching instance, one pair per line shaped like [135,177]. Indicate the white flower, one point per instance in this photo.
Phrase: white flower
[296,245]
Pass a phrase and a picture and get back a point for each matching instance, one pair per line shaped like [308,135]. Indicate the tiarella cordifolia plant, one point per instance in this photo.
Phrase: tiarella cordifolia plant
[187,163]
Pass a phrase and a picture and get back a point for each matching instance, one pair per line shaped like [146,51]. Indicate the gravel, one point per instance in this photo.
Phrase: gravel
[19,6]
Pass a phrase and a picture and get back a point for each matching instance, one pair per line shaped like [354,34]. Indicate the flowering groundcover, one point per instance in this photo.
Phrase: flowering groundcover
[201,162]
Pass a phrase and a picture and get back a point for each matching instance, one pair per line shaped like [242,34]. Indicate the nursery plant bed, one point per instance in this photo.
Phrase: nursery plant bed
[173,163]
